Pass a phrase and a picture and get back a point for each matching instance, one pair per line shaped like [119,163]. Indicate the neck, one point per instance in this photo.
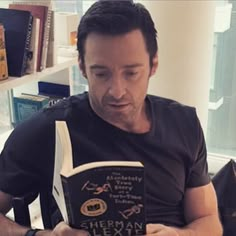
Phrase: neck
[139,123]
[139,126]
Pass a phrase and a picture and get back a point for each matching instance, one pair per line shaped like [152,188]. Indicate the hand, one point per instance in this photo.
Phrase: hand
[62,229]
[160,230]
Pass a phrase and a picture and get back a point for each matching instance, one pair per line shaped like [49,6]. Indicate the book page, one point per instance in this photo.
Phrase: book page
[57,190]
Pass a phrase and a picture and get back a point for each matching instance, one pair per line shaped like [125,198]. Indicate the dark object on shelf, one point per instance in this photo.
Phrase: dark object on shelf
[18,28]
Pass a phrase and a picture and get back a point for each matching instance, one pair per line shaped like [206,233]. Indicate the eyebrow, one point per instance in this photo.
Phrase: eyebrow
[134,65]
[96,66]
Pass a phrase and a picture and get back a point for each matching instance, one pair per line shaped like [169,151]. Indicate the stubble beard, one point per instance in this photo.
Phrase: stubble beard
[123,120]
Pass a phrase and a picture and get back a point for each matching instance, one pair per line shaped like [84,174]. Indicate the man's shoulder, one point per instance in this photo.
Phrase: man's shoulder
[72,102]
[168,111]
[77,104]
[170,105]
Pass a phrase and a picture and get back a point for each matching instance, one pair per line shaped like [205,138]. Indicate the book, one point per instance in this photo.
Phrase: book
[3,56]
[103,198]
[46,39]
[18,28]
[40,12]
[47,3]
[55,92]
[33,49]
[51,53]
[26,105]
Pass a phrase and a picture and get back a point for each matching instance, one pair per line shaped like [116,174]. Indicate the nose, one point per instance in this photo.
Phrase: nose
[117,87]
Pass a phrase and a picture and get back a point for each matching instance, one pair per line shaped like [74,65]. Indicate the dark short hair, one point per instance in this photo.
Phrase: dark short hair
[116,18]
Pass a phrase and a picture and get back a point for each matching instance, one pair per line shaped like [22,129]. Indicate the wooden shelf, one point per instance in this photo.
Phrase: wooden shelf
[13,82]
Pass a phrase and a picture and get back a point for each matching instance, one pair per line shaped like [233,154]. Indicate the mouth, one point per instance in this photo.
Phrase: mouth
[118,106]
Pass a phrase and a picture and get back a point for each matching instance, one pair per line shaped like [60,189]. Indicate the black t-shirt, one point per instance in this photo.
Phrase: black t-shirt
[173,152]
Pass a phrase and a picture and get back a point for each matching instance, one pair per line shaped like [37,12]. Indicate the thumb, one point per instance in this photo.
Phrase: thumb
[63,229]
[154,228]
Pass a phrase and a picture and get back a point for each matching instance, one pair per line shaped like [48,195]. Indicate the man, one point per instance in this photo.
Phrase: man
[116,120]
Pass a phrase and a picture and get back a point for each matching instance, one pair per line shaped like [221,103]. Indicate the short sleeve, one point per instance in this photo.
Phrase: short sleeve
[199,170]
[26,157]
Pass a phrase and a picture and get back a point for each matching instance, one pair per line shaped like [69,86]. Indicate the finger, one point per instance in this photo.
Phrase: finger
[154,228]
[63,229]
[81,233]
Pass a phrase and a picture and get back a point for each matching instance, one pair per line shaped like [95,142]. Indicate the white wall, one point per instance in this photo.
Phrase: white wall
[185,37]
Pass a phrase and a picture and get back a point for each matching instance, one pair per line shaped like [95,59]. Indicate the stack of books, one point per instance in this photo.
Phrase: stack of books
[29,31]
[55,92]
[26,105]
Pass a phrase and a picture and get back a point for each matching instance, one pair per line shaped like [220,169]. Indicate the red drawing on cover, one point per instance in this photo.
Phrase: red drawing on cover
[136,209]
[96,188]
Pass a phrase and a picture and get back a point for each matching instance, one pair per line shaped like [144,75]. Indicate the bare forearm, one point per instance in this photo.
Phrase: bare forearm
[10,228]
[44,233]
[208,225]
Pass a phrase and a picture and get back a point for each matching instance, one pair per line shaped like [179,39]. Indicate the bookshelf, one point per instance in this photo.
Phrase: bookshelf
[13,82]
[18,83]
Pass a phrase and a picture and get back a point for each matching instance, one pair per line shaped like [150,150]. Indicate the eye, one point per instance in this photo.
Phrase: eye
[131,74]
[101,75]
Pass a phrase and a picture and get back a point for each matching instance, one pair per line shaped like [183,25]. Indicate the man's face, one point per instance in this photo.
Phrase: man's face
[118,71]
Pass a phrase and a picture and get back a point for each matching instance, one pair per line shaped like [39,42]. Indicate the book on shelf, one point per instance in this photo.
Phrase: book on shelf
[3,56]
[40,12]
[103,198]
[18,28]
[26,105]
[47,28]
[55,92]
[46,39]
[47,3]
[33,49]
[51,53]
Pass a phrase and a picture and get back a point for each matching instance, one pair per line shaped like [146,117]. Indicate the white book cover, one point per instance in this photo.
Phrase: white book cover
[51,53]
[32,61]
[62,141]
[46,40]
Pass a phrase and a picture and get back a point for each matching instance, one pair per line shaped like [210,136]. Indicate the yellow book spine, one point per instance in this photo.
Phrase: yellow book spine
[3,56]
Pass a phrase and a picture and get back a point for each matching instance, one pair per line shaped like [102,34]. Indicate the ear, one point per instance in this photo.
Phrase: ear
[154,65]
[82,68]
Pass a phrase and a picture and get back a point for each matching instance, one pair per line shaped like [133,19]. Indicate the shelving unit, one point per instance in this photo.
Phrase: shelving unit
[8,85]
[13,82]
